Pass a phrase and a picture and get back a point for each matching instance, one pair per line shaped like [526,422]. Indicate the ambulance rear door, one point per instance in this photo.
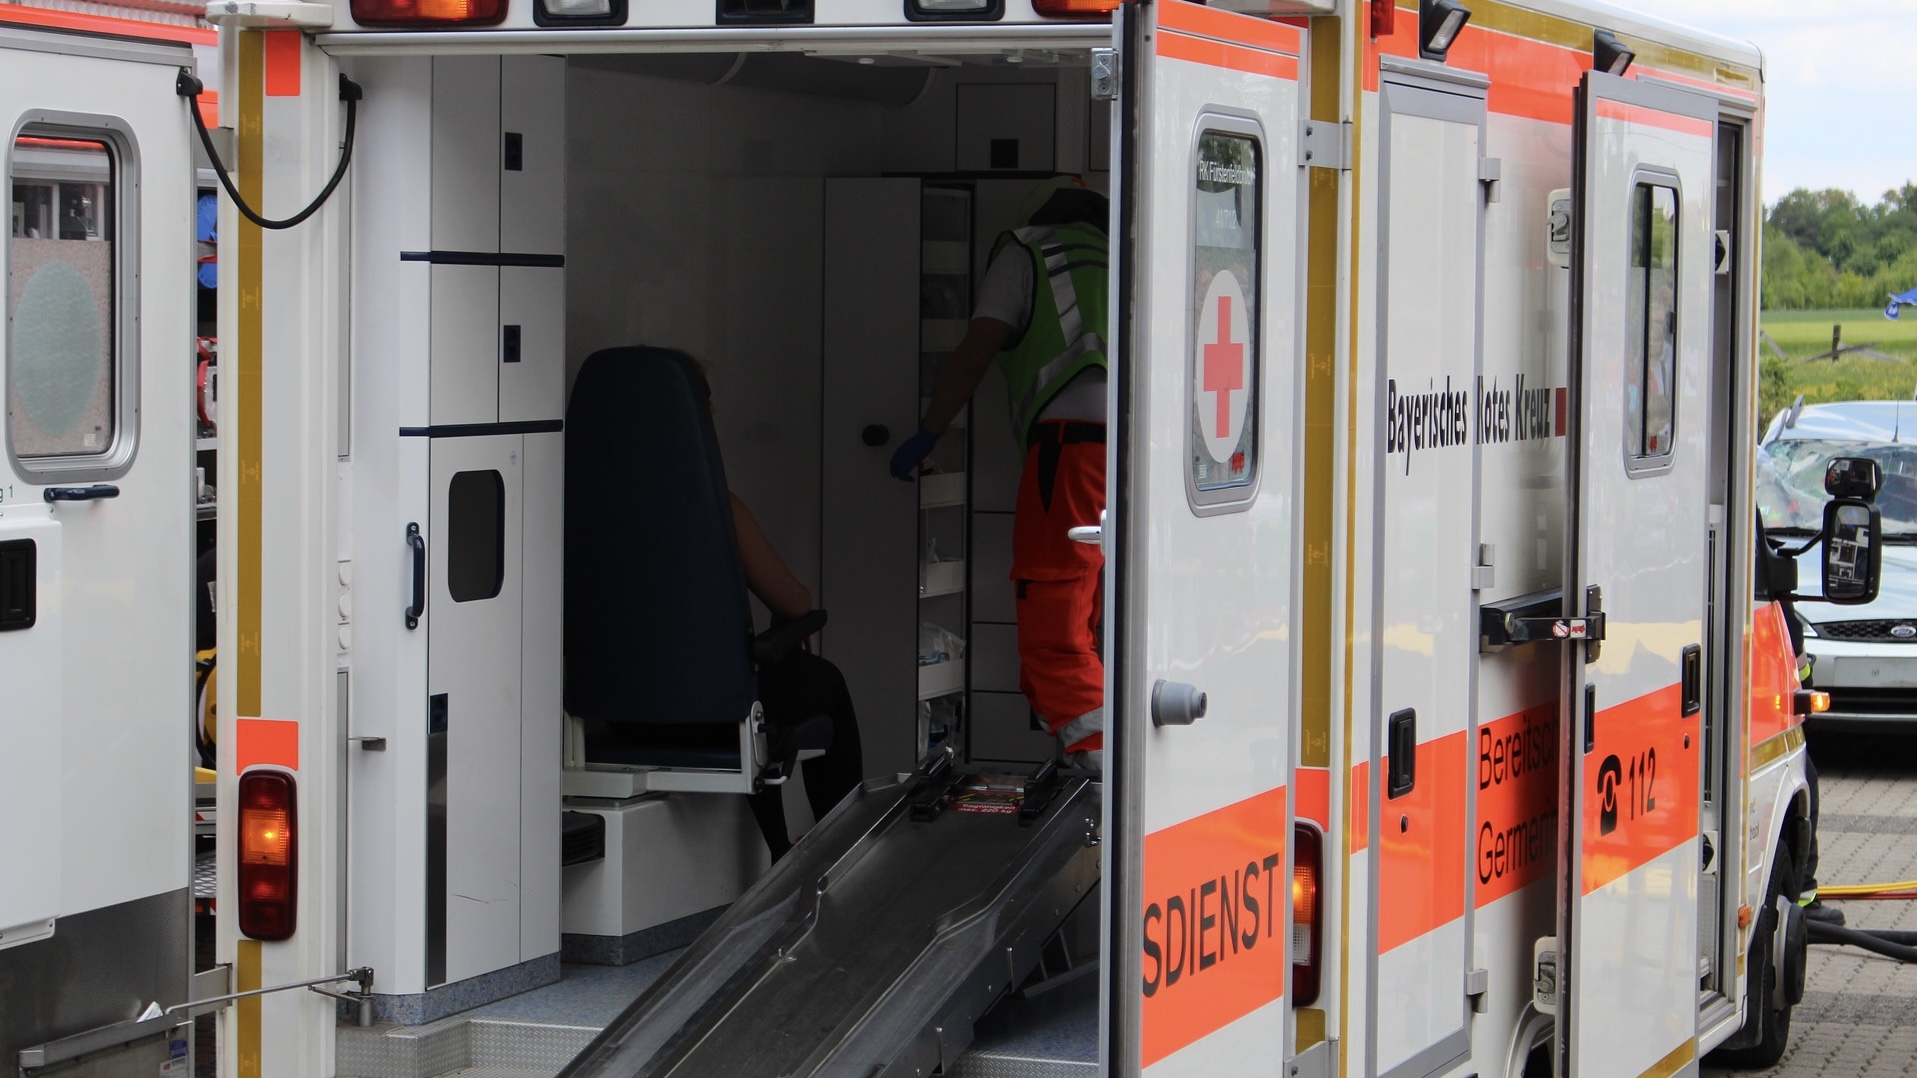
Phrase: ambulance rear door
[96,539]
[1203,533]
[1638,557]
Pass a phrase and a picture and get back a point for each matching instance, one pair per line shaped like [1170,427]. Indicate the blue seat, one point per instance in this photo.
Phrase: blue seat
[661,662]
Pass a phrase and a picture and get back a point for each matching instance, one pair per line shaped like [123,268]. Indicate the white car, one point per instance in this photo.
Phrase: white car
[1864,656]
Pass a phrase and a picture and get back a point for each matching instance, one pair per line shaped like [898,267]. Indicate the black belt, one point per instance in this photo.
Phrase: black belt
[1049,437]
[1066,432]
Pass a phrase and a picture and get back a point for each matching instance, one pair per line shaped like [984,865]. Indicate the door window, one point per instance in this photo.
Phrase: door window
[1650,370]
[1223,430]
[63,375]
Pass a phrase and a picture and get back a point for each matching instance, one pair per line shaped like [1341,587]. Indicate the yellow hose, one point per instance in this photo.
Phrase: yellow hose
[1855,889]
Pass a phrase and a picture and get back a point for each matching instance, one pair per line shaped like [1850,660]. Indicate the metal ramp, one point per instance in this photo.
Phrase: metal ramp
[874,946]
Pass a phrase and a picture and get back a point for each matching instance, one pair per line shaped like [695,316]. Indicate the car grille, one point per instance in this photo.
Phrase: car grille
[1878,629]
[1873,701]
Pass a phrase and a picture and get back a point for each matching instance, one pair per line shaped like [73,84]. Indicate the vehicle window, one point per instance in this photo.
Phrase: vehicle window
[475,535]
[62,295]
[1650,375]
[1223,430]
[1790,482]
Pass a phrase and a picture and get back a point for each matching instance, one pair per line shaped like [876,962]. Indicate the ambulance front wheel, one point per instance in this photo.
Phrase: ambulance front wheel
[1767,988]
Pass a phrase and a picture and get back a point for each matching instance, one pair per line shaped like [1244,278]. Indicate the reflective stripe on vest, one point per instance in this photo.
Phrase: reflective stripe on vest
[1049,354]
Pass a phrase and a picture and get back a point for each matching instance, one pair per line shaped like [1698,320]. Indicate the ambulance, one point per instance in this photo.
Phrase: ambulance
[1453,722]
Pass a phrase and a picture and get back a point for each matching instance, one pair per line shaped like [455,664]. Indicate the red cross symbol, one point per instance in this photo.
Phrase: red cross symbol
[1224,366]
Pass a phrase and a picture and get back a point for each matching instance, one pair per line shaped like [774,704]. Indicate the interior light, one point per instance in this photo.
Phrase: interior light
[1609,55]
[429,12]
[579,12]
[969,7]
[1439,22]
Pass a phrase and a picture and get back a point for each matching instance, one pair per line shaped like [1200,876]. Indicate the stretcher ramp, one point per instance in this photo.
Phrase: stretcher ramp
[874,946]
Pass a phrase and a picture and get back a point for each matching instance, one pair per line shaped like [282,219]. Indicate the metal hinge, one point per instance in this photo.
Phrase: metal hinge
[1327,145]
[1104,74]
[1490,171]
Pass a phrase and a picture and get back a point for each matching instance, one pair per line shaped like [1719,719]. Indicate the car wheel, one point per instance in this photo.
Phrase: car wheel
[1767,1002]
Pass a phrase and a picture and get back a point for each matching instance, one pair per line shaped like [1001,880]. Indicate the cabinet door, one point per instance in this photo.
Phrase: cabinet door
[473,676]
[869,570]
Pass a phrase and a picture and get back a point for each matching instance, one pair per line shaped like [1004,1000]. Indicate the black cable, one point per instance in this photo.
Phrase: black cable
[189,87]
[1890,944]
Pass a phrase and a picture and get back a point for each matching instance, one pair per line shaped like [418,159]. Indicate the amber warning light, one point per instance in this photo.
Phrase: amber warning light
[429,12]
[1307,915]
[269,855]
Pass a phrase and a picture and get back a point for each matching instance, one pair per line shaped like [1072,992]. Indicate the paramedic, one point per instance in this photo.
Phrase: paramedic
[1041,313]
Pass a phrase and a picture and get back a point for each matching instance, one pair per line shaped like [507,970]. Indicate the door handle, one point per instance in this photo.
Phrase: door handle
[1089,534]
[94,493]
[418,607]
[1401,748]
[1175,703]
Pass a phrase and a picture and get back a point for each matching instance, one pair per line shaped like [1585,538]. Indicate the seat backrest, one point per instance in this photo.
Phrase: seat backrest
[658,623]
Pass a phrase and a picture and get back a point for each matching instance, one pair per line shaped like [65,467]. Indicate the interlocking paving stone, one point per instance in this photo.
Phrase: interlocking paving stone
[1859,1014]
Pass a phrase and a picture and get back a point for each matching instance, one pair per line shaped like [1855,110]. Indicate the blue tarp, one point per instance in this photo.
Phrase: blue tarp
[1898,299]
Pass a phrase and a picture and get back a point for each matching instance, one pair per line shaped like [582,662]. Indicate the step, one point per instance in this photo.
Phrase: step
[459,1045]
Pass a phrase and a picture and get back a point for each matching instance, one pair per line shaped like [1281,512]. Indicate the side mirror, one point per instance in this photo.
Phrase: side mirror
[1853,531]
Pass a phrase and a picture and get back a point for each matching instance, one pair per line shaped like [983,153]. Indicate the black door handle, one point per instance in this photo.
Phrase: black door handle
[1401,748]
[418,608]
[875,435]
[82,494]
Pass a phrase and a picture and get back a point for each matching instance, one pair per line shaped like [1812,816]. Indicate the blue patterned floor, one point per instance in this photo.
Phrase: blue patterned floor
[584,995]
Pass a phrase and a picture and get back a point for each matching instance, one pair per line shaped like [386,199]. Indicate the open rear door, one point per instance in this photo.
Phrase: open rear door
[1638,554]
[1206,383]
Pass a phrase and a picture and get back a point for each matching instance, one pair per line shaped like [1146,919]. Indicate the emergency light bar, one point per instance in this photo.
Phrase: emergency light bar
[429,12]
[1074,9]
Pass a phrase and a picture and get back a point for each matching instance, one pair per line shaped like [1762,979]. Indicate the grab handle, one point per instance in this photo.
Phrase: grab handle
[82,494]
[418,608]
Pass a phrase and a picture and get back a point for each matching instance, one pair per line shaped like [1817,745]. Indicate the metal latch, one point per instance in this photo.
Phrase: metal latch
[1327,145]
[1544,975]
[1104,74]
[1476,983]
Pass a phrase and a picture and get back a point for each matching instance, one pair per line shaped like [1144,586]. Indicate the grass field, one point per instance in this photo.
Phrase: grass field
[1802,334]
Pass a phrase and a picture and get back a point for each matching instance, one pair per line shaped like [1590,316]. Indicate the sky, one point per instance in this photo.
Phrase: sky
[1841,87]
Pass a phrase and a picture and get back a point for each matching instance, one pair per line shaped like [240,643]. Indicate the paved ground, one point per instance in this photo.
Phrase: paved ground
[1859,1015]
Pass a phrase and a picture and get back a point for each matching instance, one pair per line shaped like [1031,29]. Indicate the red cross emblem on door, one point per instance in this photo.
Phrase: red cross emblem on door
[1222,380]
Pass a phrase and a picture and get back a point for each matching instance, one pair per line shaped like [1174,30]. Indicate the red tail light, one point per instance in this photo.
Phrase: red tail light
[1074,9]
[269,855]
[429,12]
[1307,914]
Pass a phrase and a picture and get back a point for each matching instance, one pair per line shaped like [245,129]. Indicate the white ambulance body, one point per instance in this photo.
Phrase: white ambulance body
[1431,406]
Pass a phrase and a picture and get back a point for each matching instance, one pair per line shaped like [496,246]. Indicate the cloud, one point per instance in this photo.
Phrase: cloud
[1838,88]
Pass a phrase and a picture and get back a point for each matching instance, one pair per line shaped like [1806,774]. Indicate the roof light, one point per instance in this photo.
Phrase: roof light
[1609,55]
[1074,9]
[429,12]
[1439,22]
[579,12]
[269,855]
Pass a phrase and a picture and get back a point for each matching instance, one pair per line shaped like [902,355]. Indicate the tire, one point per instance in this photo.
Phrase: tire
[1767,1028]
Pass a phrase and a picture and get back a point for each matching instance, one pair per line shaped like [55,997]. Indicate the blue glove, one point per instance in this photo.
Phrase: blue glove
[913,452]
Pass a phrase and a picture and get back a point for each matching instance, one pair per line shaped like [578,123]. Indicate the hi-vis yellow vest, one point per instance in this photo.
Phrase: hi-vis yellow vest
[1066,333]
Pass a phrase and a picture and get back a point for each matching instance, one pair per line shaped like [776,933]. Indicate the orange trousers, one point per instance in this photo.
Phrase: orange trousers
[1059,582]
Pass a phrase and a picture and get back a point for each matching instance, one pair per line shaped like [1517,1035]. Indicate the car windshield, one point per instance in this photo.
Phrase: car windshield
[1790,482]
